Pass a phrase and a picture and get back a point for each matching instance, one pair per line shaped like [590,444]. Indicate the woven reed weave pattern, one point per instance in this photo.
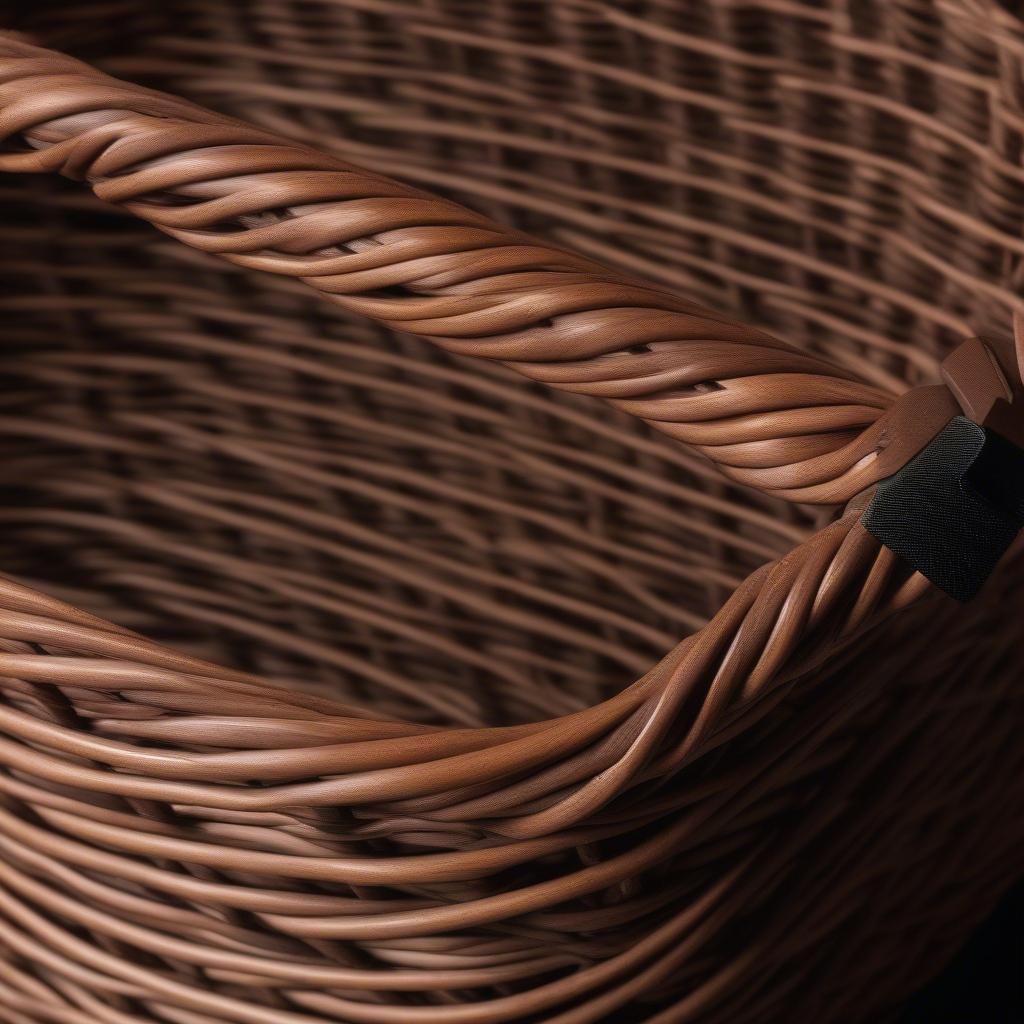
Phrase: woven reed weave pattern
[768,414]
[424,791]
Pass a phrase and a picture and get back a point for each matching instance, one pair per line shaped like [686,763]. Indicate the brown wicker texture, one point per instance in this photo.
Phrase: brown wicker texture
[365,744]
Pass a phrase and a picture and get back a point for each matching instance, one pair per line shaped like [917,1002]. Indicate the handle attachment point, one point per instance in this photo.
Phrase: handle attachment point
[954,509]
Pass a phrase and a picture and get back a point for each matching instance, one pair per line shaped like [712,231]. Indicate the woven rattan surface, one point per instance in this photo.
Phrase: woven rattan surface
[376,736]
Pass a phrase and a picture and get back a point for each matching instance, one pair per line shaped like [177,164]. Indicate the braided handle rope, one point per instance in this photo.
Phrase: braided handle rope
[769,415]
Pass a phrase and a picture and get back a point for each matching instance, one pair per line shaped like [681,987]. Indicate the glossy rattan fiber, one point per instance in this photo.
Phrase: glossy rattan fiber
[345,677]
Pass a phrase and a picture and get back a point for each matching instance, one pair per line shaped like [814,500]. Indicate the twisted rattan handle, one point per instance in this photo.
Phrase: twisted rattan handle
[769,415]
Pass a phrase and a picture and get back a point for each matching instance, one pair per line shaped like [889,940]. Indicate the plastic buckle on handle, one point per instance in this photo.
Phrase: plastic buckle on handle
[957,506]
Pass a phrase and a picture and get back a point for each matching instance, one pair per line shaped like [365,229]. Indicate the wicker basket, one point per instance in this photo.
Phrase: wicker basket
[376,737]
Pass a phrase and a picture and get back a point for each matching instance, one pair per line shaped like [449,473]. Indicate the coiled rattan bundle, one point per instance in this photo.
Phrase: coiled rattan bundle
[429,788]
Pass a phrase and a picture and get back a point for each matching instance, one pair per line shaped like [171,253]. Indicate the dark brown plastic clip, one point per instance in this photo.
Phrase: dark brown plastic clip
[956,507]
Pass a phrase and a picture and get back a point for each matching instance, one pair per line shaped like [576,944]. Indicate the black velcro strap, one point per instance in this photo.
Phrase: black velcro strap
[954,509]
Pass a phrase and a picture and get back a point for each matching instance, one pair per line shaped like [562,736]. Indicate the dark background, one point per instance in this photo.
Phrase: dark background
[985,984]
